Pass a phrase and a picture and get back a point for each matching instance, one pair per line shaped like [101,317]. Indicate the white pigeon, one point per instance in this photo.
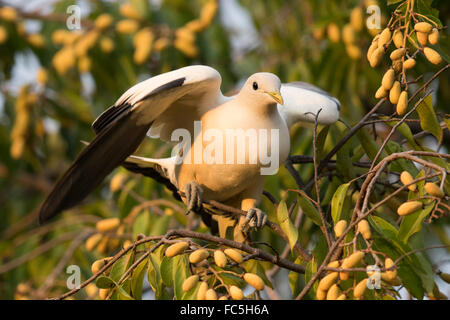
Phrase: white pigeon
[181,100]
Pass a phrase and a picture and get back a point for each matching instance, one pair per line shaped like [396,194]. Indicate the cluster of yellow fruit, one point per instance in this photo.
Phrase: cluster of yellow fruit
[401,60]
[185,36]
[22,124]
[328,288]
[412,206]
[103,243]
[198,257]
[363,228]
[10,15]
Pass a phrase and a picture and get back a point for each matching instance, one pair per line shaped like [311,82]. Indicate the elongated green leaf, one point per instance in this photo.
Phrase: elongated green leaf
[180,272]
[141,223]
[368,143]
[413,223]
[295,280]
[256,267]
[286,225]
[337,202]
[137,280]
[428,119]
[120,266]
[104,282]
[309,209]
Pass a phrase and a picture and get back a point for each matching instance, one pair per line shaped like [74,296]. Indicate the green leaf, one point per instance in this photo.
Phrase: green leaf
[368,143]
[104,282]
[321,137]
[337,202]
[166,271]
[309,209]
[295,280]
[286,225]
[120,266]
[412,223]
[180,272]
[405,131]
[137,279]
[154,273]
[311,270]
[141,223]
[428,119]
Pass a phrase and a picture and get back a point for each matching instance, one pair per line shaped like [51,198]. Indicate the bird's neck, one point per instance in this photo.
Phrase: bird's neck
[259,107]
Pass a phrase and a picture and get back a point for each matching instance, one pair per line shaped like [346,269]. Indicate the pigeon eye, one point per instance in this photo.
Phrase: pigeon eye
[255,86]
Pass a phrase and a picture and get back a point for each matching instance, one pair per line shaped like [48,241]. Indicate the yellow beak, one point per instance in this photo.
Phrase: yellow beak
[276,95]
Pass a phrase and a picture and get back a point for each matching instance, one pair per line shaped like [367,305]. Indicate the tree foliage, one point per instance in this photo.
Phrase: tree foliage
[370,191]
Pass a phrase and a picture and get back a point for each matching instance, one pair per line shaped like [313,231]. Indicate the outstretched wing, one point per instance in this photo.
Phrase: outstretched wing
[302,101]
[175,98]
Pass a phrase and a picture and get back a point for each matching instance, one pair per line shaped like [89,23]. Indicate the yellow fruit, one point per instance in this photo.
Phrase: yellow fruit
[236,293]
[42,76]
[434,190]
[409,207]
[127,243]
[3,35]
[127,26]
[220,259]
[381,93]
[198,256]
[208,12]
[184,34]
[394,93]
[103,293]
[127,10]
[58,36]
[143,41]
[333,292]
[360,288]
[376,57]
[352,260]
[84,64]
[371,50]
[410,63]
[106,44]
[353,51]
[342,297]
[334,264]
[103,245]
[397,65]
[356,19]
[326,282]
[391,274]
[333,32]
[397,54]
[402,104]
[321,295]
[85,43]
[348,34]
[189,283]
[91,290]
[318,33]
[445,276]
[234,255]
[424,27]
[223,298]
[397,37]
[195,25]
[161,43]
[8,13]
[385,36]
[117,181]
[210,294]
[388,79]
[364,229]
[103,21]
[422,38]
[98,264]
[432,55]
[92,241]
[107,224]
[407,178]
[254,280]
[340,227]
[36,40]
[201,293]
[433,37]
[176,248]
[393,282]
